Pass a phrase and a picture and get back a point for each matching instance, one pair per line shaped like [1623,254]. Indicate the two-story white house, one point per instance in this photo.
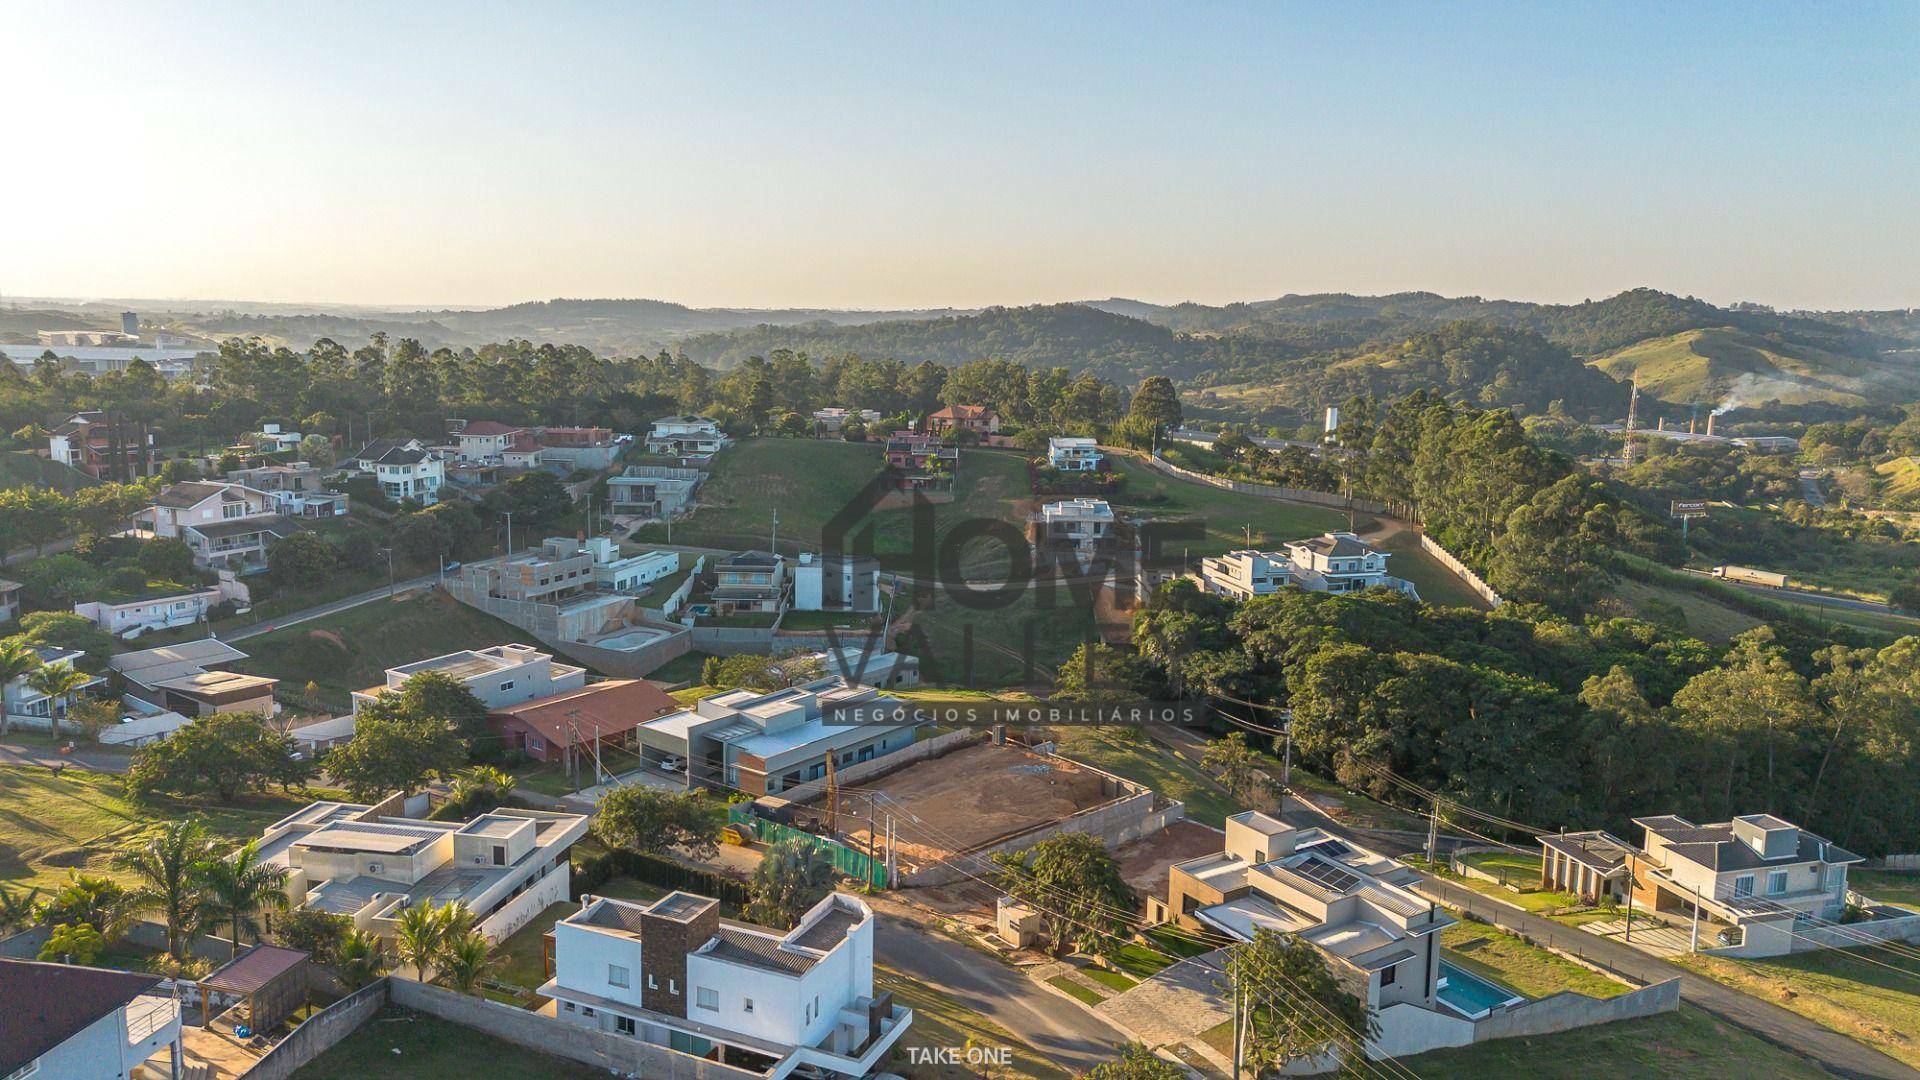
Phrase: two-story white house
[226,526]
[1341,562]
[485,440]
[1080,528]
[675,974]
[686,436]
[405,469]
[1073,454]
[66,1022]
[1246,574]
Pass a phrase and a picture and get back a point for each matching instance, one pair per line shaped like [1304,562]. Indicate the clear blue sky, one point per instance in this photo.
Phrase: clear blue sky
[913,155]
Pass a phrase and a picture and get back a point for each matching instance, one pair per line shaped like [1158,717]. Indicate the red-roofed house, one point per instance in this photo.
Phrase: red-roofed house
[547,728]
[975,418]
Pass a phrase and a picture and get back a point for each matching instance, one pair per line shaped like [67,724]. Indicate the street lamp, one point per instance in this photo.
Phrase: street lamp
[387,552]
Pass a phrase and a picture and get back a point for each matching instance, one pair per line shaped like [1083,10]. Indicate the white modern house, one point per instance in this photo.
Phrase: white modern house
[686,436]
[499,675]
[1080,528]
[878,667]
[767,743]
[675,974]
[29,708]
[149,671]
[10,600]
[272,438]
[66,1022]
[370,862]
[1073,454]
[835,582]
[613,571]
[1246,573]
[834,418]
[1379,937]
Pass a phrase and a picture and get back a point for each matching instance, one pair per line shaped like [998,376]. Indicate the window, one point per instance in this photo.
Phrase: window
[673,988]
[1836,878]
[1776,882]
[651,985]
[617,975]
[505,686]
[1387,974]
[1743,885]
[623,1024]
[570,1006]
[499,855]
[746,1005]
[707,998]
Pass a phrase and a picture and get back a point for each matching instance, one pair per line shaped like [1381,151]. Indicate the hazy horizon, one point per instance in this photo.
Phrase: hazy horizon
[874,157]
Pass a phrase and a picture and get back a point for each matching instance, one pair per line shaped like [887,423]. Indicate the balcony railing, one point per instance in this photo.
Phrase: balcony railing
[148,1015]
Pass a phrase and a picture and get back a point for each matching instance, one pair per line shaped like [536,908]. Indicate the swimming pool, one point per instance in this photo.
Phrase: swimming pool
[631,639]
[1470,995]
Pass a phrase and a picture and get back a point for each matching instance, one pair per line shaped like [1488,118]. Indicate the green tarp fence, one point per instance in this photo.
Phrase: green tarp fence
[852,862]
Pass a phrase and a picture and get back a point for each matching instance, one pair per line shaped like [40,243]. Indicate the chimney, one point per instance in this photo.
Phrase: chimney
[1693,423]
[672,927]
[1710,417]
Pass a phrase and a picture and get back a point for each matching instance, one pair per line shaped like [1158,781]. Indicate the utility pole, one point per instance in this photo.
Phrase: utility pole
[1433,834]
[1239,1025]
[1286,763]
[509,514]
[1694,944]
[773,541]
[1632,880]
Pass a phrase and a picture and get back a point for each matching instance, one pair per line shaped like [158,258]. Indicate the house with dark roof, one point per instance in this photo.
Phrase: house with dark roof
[1754,869]
[227,526]
[60,1021]
[675,974]
[404,469]
[104,447]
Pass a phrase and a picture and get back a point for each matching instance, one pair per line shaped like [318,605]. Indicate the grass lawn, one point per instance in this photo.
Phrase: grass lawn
[811,480]
[941,1022]
[684,668]
[1111,979]
[51,825]
[826,620]
[1706,619]
[1437,584]
[749,620]
[1901,887]
[19,468]
[1148,762]
[1223,514]
[1529,969]
[1000,655]
[1688,1044]
[1084,993]
[352,649]
[1511,867]
[1838,988]
[402,1043]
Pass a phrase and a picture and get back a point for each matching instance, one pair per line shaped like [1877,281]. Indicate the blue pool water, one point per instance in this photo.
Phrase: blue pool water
[1468,994]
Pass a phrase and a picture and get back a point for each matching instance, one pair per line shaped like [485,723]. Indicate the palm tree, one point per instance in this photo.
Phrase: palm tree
[17,658]
[57,681]
[238,886]
[98,901]
[361,957]
[465,960]
[169,866]
[417,936]
[18,907]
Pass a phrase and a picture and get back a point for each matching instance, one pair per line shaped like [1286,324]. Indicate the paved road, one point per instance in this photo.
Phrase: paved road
[90,760]
[1802,596]
[267,626]
[1810,487]
[1788,1030]
[1060,1030]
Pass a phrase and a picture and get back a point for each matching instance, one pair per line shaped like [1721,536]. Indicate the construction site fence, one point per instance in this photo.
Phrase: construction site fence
[852,862]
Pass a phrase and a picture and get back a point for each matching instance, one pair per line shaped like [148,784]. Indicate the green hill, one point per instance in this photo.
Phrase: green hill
[1739,368]
[1902,476]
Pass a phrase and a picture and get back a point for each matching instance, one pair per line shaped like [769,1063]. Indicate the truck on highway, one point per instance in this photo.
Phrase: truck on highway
[1749,576]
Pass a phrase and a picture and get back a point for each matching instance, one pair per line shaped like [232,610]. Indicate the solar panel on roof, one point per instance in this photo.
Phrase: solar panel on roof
[1331,847]
[1332,875]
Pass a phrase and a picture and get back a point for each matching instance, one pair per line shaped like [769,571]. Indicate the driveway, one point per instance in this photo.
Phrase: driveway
[1060,1030]
[89,759]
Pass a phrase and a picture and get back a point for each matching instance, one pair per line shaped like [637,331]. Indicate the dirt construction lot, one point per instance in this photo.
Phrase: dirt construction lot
[975,795]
